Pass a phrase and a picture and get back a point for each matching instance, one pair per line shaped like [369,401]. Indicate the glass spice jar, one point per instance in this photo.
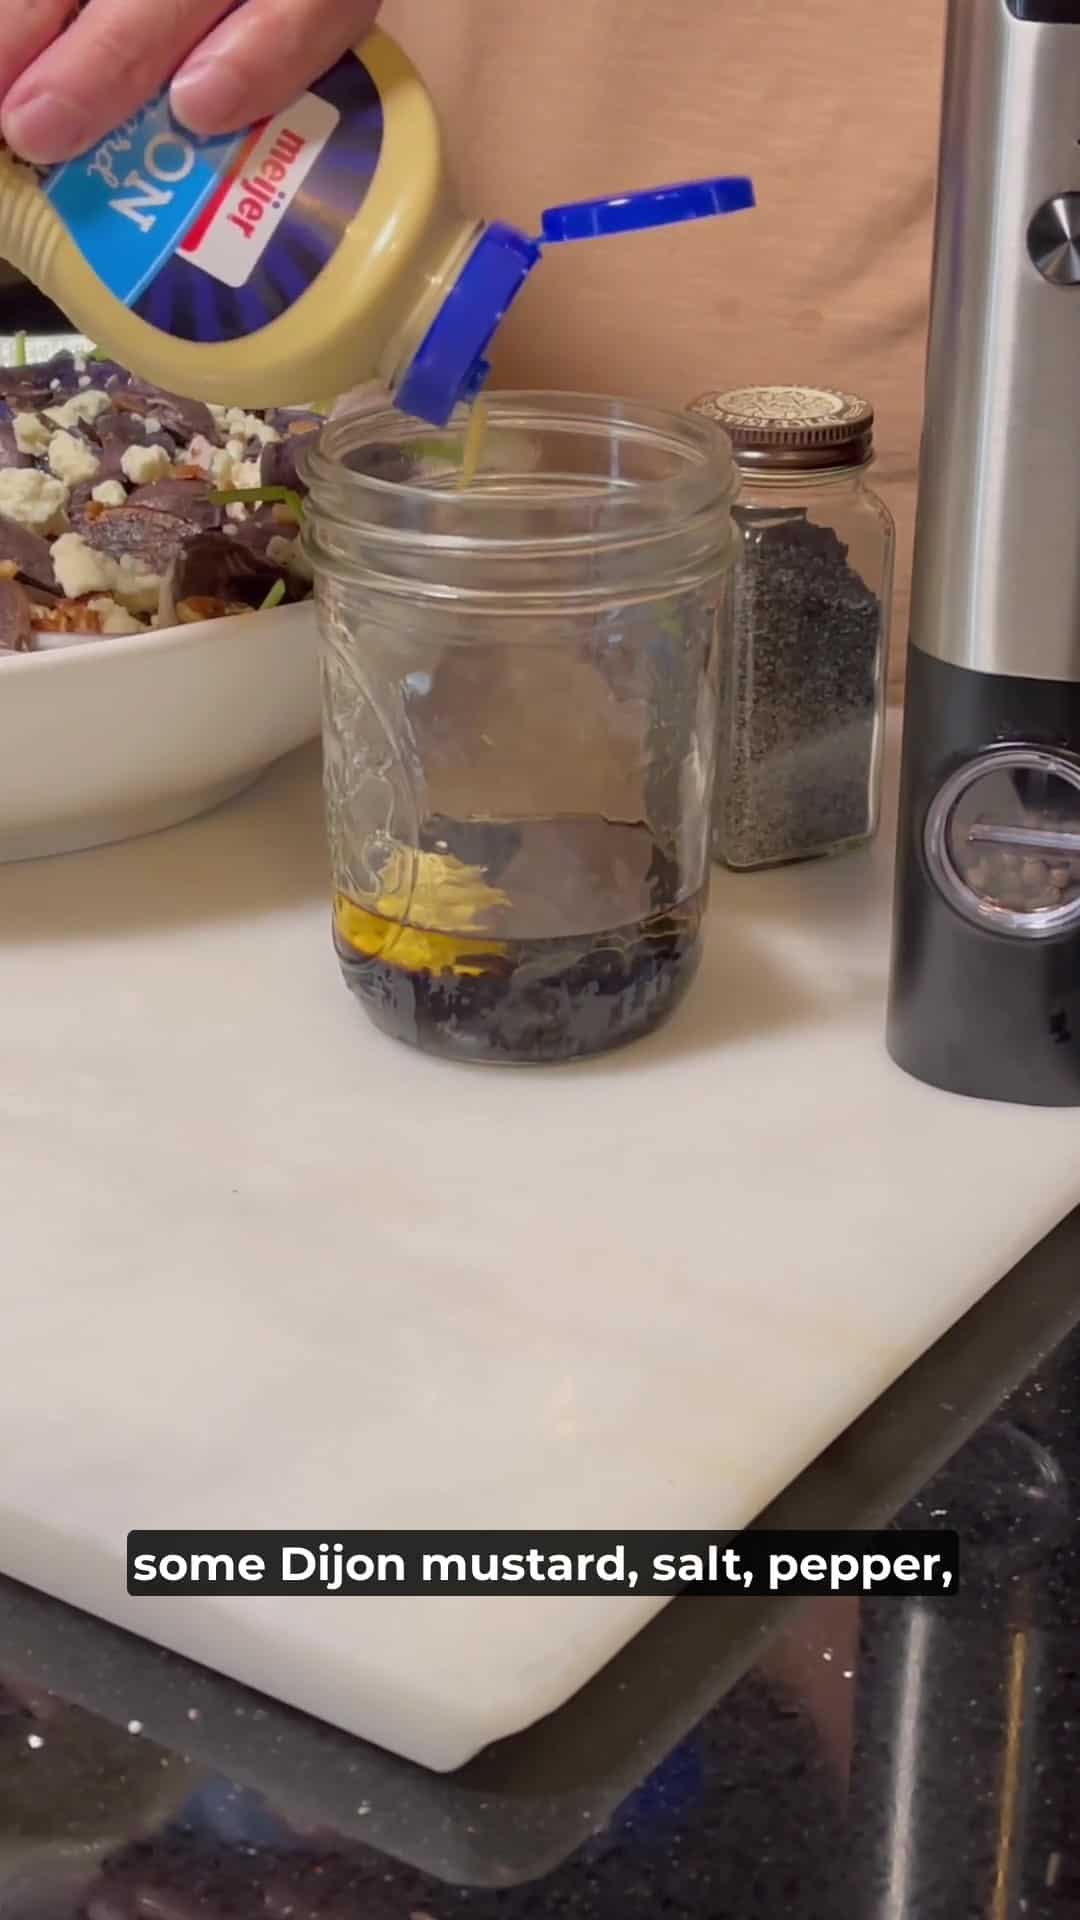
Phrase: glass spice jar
[801,709]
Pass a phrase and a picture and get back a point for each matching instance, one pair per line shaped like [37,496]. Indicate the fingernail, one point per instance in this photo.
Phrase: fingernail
[45,127]
[206,95]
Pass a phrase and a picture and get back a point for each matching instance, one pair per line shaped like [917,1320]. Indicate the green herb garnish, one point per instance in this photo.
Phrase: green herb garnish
[20,350]
[260,497]
[275,597]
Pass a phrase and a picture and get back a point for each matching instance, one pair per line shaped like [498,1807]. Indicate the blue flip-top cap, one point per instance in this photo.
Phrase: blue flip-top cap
[634,212]
[450,365]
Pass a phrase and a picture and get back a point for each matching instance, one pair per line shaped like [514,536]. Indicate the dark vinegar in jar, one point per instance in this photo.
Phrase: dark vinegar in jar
[580,949]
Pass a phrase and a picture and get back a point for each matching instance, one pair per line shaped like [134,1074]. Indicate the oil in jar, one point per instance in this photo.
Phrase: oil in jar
[550,945]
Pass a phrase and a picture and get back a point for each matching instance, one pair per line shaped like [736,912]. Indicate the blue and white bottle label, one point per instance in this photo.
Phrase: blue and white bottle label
[211,240]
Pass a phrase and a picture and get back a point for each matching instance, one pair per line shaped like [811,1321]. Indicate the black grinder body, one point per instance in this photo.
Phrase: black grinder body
[985,990]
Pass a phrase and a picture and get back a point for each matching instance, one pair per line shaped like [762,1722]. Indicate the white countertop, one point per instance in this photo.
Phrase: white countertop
[264,1268]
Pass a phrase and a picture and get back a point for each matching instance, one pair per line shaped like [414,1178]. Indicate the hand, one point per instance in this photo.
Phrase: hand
[66,82]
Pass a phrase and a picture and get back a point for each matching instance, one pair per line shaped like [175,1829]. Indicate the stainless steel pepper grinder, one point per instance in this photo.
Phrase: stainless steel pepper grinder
[985,996]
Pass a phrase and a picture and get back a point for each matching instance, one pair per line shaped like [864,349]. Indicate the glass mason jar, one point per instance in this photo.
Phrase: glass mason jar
[802,699]
[520,679]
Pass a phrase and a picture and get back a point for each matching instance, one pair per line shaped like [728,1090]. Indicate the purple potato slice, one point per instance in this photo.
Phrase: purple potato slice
[10,455]
[30,553]
[116,433]
[16,626]
[182,418]
[260,527]
[28,388]
[217,566]
[150,537]
[188,500]
[279,466]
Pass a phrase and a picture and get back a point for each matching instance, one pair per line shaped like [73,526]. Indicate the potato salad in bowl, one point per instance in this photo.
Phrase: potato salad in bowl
[124,509]
[158,641]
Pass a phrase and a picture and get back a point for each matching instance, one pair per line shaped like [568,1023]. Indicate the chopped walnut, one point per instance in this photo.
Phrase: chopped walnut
[202,607]
[66,616]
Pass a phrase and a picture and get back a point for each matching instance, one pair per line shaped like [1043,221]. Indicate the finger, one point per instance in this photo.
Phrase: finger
[261,58]
[26,28]
[114,58]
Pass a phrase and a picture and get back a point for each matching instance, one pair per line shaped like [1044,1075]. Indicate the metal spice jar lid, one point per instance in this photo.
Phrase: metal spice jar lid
[792,429]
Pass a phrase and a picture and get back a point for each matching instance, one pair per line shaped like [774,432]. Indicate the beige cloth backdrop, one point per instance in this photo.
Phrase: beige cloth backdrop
[832,106]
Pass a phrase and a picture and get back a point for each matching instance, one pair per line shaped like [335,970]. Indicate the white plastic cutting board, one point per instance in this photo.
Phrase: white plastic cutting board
[263,1268]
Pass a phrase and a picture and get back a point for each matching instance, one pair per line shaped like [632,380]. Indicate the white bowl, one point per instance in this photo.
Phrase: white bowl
[120,737]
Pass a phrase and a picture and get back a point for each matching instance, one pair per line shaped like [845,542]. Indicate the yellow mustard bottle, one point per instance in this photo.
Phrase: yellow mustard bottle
[306,256]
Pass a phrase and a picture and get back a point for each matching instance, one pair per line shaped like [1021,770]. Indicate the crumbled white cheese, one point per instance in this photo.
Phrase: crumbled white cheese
[80,364]
[71,460]
[36,500]
[111,493]
[219,415]
[211,460]
[32,434]
[153,424]
[247,473]
[144,465]
[290,554]
[248,426]
[81,410]
[85,380]
[236,510]
[80,569]
[135,588]
[199,452]
[114,617]
[236,449]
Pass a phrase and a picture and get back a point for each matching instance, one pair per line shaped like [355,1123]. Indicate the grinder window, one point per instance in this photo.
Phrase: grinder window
[1003,842]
